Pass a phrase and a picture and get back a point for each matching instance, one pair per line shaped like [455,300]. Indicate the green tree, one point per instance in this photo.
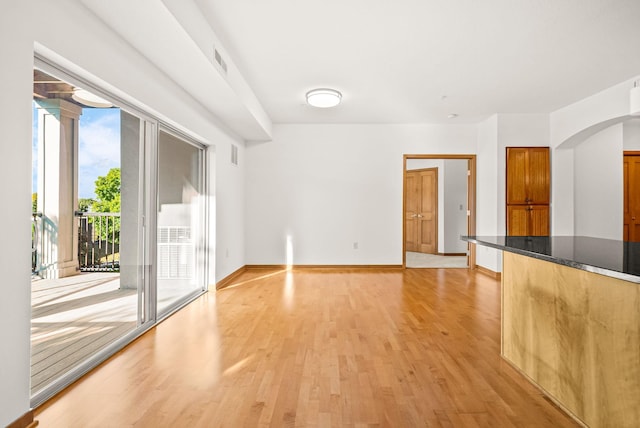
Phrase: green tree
[85,204]
[34,202]
[108,187]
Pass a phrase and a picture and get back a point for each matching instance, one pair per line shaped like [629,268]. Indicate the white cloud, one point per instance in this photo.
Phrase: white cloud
[99,147]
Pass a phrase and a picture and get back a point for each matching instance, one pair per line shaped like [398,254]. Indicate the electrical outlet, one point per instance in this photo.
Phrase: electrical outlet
[355,245]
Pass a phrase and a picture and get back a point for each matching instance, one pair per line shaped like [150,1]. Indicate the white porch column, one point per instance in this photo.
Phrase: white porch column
[58,186]
[130,223]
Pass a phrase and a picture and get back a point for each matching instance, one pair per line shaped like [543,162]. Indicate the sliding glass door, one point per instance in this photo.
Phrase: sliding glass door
[87,254]
[118,230]
[180,220]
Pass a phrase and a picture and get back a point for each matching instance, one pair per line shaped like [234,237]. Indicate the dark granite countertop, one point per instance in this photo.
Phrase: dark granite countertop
[617,259]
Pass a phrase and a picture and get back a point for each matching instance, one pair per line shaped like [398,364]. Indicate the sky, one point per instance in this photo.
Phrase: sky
[98,151]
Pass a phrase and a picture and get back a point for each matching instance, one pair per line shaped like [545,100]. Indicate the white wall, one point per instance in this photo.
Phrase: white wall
[607,104]
[67,29]
[598,183]
[494,136]
[230,211]
[631,135]
[15,252]
[455,205]
[575,131]
[517,130]
[328,186]
[487,192]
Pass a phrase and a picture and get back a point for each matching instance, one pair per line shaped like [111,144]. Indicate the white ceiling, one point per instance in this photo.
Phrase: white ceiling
[395,60]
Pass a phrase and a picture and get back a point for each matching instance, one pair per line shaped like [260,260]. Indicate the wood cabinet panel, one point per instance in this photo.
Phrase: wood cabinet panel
[516,175]
[528,191]
[576,334]
[538,220]
[528,175]
[538,175]
[528,220]
[517,224]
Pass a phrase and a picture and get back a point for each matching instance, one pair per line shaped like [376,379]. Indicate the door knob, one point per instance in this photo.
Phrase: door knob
[414,215]
[420,215]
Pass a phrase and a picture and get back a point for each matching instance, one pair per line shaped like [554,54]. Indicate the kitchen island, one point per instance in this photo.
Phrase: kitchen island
[571,322]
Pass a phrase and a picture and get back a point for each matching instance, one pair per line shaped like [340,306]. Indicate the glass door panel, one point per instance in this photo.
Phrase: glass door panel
[180,221]
[86,266]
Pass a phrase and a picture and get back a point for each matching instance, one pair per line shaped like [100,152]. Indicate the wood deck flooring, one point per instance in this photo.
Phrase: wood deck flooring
[73,318]
[317,348]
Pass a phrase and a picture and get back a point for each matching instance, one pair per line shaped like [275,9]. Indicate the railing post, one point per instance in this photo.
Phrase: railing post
[37,233]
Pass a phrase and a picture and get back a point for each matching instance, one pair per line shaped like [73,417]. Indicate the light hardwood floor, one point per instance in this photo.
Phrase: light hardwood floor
[343,348]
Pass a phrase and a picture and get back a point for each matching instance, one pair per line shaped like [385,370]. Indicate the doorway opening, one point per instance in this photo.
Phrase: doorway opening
[438,207]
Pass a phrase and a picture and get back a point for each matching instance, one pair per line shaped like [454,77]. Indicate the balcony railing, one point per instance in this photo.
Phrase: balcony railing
[99,245]
[36,240]
[98,242]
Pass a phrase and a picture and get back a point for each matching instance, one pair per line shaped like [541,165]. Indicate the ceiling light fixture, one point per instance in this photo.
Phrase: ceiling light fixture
[323,97]
[90,100]
[634,99]
[452,116]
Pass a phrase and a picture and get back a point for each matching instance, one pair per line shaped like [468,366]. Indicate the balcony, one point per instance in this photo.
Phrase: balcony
[75,316]
[98,242]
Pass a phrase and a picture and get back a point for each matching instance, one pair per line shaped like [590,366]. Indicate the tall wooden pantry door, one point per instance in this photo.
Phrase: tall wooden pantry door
[421,210]
[528,191]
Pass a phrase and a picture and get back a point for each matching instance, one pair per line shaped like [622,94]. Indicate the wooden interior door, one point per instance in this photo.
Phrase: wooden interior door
[421,210]
[428,217]
[412,209]
[631,174]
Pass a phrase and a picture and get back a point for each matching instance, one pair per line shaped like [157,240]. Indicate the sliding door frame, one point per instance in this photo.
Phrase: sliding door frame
[147,316]
[201,254]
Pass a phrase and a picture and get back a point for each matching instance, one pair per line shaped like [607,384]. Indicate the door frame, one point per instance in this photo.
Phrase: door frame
[471,199]
[625,191]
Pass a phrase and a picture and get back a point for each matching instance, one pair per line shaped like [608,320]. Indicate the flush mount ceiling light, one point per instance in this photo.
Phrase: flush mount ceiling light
[323,97]
[88,99]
